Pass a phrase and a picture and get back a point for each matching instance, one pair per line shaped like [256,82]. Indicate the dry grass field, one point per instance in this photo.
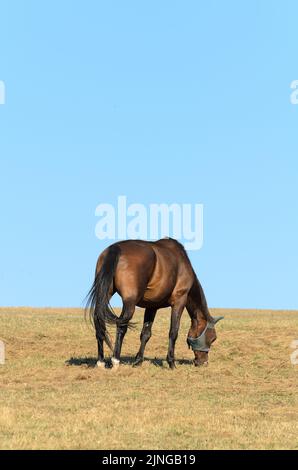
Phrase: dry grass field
[52,396]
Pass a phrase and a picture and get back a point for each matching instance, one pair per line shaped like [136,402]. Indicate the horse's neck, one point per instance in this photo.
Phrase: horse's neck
[198,302]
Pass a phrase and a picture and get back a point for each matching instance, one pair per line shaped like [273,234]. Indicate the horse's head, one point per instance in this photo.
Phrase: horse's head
[203,340]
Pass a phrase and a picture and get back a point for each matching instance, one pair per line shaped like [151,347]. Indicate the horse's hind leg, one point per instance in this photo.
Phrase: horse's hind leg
[100,360]
[146,334]
[122,325]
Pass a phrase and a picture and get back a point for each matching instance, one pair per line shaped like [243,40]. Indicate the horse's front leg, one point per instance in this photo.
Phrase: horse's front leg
[122,325]
[146,334]
[176,313]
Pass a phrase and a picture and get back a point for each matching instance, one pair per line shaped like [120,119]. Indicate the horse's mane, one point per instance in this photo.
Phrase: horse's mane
[197,288]
[181,248]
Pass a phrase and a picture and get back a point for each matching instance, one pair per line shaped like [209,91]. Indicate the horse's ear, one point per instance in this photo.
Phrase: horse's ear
[216,319]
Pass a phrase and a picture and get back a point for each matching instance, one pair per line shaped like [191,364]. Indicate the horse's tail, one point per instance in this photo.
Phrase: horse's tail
[100,311]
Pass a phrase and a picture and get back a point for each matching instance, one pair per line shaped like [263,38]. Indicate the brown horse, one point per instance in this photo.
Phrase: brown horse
[150,275]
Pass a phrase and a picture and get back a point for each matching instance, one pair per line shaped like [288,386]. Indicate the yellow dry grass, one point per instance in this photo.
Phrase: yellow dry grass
[247,397]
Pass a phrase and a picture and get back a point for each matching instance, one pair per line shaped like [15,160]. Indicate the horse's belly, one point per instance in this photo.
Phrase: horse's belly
[157,300]
[160,291]
[156,296]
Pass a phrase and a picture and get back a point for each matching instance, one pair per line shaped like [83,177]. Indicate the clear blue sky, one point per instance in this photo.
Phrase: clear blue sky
[163,102]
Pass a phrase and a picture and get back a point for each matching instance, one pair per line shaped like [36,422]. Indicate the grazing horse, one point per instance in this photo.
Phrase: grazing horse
[150,275]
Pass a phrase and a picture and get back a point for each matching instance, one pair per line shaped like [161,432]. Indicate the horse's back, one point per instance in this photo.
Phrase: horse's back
[162,277]
[136,264]
[151,273]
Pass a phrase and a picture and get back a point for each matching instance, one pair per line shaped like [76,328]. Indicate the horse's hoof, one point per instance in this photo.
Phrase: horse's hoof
[115,363]
[101,364]
[200,364]
[172,365]
[138,362]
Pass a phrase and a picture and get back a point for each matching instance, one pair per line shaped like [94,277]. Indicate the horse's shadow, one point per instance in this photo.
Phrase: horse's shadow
[90,362]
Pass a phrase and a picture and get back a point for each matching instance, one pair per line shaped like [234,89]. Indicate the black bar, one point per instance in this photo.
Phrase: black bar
[150,458]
